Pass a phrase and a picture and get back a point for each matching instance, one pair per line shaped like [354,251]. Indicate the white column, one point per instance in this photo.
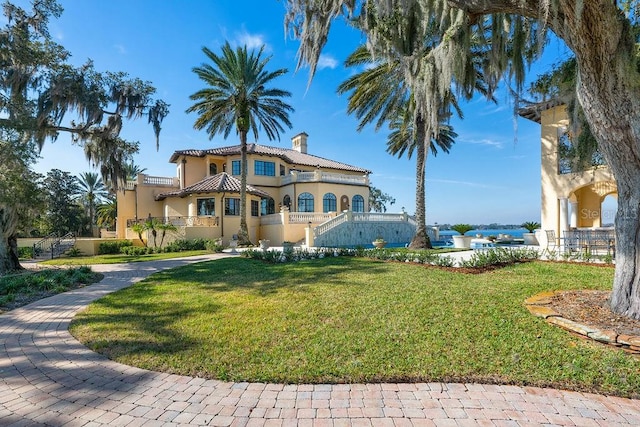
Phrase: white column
[564,219]
[573,223]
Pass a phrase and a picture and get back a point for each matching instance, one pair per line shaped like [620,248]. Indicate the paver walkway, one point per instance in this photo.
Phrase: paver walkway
[49,378]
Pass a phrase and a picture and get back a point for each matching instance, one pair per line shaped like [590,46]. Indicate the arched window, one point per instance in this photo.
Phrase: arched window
[267,206]
[213,169]
[329,203]
[286,201]
[357,204]
[305,202]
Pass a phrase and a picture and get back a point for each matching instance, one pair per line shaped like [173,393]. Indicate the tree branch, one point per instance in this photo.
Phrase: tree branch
[527,8]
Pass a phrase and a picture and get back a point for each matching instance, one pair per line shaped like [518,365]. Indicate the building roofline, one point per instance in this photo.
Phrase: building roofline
[533,111]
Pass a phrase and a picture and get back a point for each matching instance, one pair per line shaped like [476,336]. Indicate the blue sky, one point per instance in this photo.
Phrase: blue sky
[491,175]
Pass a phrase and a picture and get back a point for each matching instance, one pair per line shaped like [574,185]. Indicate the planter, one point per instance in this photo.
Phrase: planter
[264,244]
[462,242]
[530,239]
[287,247]
[379,244]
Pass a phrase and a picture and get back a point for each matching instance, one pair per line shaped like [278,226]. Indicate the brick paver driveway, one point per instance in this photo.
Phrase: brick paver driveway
[49,378]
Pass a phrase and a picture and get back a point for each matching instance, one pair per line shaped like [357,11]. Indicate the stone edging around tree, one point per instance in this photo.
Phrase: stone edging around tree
[539,305]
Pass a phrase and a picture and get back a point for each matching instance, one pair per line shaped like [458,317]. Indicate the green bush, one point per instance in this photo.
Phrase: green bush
[25,252]
[182,245]
[110,248]
[137,250]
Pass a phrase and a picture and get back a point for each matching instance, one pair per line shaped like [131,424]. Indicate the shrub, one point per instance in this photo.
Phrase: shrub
[73,252]
[137,250]
[25,252]
[110,248]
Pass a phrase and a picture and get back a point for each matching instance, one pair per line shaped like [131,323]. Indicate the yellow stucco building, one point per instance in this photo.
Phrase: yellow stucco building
[572,199]
[288,192]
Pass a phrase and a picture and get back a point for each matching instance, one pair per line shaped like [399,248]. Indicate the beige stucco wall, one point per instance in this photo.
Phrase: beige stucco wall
[562,193]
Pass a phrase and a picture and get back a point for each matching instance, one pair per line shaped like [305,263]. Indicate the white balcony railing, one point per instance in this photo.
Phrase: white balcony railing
[319,176]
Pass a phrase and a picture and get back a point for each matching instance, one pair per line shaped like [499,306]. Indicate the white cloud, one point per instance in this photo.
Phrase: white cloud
[120,48]
[485,141]
[252,41]
[327,61]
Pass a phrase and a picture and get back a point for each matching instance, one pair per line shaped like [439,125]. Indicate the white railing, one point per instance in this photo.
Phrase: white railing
[130,185]
[362,217]
[307,217]
[318,176]
[378,217]
[332,223]
[158,180]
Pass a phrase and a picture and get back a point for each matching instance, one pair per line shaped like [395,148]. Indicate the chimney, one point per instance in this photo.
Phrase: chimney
[299,142]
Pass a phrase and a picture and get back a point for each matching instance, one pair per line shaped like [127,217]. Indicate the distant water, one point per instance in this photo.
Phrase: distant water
[516,233]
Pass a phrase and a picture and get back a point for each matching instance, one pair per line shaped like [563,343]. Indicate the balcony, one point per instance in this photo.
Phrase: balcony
[319,176]
[179,221]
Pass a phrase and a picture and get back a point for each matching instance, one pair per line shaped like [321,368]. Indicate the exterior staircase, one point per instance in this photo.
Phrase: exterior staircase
[53,246]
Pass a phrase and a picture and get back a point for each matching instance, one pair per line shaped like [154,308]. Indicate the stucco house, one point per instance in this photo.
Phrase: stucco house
[289,191]
[572,198]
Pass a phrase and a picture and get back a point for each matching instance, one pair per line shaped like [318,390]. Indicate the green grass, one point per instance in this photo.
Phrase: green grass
[120,258]
[355,320]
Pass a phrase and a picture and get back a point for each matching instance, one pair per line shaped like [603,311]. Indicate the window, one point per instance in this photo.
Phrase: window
[255,208]
[305,202]
[213,169]
[235,167]
[267,206]
[206,207]
[264,168]
[357,204]
[232,207]
[329,203]
[283,170]
[286,201]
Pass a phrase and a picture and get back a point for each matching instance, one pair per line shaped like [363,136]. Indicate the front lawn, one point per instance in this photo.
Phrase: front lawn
[353,320]
[120,258]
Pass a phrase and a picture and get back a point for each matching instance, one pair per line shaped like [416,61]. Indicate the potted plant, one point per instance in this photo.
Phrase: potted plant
[287,247]
[461,241]
[530,237]
[379,243]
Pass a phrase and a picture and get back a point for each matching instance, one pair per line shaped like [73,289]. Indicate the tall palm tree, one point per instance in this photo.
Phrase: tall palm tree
[403,139]
[92,191]
[237,97]
[382,95]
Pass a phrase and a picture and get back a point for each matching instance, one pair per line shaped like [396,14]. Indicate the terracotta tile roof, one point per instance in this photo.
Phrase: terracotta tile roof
[289,155]
[220,183]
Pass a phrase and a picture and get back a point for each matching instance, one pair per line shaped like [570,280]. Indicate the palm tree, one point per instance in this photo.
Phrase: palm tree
[384,93]
[132,170]
[237,97]
[401,140]
[92,191]
[106,214]
[380,93]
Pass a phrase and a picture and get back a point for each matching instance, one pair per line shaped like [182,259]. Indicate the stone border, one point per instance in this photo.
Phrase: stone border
[539,305]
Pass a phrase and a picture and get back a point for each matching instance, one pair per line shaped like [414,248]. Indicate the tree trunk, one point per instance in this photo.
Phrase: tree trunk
[610,97]
[602,40]
[8,243]
[421,239]
[243,233]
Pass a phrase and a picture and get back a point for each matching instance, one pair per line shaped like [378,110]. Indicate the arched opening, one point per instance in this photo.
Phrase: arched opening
[305,202]
[608,209]
[329,203]
[358,203]
[344,203]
